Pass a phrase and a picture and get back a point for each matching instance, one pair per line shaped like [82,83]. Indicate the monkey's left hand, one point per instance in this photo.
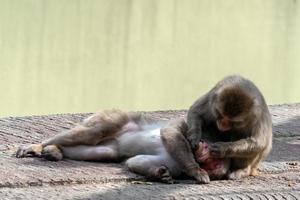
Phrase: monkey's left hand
[218,149]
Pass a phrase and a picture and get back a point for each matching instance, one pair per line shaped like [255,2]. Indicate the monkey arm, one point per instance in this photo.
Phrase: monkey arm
[243,148]
[194,133]
[248,147]
[178,147]
[195,120]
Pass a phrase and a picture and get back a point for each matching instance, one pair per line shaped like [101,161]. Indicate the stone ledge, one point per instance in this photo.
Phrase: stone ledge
[36,178]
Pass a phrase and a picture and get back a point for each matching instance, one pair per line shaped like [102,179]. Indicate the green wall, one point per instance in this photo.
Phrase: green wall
[67,56]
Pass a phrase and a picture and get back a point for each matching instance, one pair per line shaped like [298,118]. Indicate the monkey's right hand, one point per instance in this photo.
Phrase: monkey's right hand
[29,151]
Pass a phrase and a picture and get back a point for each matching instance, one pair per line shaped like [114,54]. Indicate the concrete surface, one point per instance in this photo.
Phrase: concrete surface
[33,178]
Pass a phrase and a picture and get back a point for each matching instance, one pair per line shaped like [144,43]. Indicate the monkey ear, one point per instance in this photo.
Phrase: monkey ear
[255,101]
[214,105]
[212,100]
[256,108]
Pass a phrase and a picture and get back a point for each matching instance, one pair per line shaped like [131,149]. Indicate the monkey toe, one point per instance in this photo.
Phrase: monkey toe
[240,173]
[51,157]
[164,175]
[234,176]
[20,152]
[33,150]
[52,153]
[162,170]
[254,172]
[168,180]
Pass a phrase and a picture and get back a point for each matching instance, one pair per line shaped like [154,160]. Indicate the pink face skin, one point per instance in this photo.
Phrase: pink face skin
[211,165]
[202,153]
[223,124]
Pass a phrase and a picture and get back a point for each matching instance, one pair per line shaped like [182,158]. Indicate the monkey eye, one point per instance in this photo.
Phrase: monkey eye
[239,124]
[238,121]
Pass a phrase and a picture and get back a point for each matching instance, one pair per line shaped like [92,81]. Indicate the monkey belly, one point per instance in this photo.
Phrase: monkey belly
[145,142]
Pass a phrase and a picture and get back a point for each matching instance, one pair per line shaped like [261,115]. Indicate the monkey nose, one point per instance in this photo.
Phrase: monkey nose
[223,126]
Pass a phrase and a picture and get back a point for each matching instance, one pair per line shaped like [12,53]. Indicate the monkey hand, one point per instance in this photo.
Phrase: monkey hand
[194,139]
[217,150]
[201,176]
[29,151]
[202,153]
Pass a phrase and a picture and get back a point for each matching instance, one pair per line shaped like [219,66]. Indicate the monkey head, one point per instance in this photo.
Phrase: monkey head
[215,167]
[232,108]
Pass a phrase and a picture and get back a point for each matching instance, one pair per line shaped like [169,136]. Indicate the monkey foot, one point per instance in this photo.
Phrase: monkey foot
[163,174]
[238,174]
[52,153]
[32,150]
[254,172]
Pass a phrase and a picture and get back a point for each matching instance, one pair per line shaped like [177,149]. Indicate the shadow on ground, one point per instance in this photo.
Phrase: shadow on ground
[286,140]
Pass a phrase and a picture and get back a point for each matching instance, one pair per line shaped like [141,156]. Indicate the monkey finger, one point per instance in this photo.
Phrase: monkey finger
[216,154]
[21,153]
[215,151]
[194,142]
[167,179]
[194,145]
[202,177]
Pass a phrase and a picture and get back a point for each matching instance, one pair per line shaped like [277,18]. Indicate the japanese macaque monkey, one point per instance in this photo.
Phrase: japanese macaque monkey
[234,118]
[115,135]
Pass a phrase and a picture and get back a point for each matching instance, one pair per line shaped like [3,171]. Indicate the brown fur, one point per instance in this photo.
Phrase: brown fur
[235,102]
[173,134]
[248,141]
[110,135]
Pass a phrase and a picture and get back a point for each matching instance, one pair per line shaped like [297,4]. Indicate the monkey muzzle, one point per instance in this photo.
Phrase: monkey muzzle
[223,125]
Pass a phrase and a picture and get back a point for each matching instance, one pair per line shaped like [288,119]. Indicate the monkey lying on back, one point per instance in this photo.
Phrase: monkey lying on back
[115,135]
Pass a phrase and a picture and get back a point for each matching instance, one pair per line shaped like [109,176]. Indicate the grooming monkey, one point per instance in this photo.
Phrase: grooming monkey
[234,117]
[114,135]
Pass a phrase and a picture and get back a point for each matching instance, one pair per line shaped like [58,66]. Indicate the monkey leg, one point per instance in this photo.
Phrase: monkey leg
[94,129]
[150,166]
[178,147]
[242,167]
[255,163]
[75,136]
[91,153]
